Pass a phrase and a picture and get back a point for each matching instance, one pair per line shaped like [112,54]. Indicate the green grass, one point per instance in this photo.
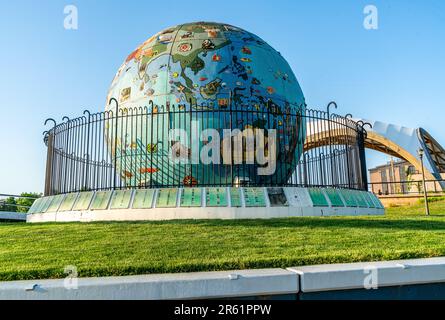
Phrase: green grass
[29,251]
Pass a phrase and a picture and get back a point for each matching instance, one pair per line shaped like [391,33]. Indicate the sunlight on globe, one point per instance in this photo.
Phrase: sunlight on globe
[213,67]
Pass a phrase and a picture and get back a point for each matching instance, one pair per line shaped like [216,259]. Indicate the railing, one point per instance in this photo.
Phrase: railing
[130,148]
[407,187]
[9,203]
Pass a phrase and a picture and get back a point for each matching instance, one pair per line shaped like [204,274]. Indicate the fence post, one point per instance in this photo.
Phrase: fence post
[115,141]
[49,164]
[49,158]
[362,156]
[87,166]
[332,103]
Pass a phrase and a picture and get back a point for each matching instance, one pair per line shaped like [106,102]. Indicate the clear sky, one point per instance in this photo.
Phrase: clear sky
[394,74]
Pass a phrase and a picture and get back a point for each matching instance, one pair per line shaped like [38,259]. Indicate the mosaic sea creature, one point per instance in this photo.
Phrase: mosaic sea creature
[126,174]
[190,181]
[208,44]
[149,92]
[187,35]
[125,94]
[246,50]
[165,38]
[212,33]
[152,147]
[148,170]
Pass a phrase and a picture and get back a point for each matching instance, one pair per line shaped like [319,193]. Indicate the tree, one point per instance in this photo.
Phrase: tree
[8,204]
[17,204]
[25,203]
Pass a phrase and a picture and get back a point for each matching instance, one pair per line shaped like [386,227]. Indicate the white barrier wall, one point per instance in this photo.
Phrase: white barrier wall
[197,285]
[295,282]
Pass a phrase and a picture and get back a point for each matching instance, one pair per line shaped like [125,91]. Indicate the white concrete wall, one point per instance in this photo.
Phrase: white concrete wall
[361,275]
[159,286]
[239,283]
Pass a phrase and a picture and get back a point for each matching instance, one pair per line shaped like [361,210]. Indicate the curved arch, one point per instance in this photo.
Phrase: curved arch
[380,143]
[373,140]
[434,152]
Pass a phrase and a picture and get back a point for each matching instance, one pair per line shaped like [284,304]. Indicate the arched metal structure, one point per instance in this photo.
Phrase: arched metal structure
[397,141]
[404,143]
[434,152]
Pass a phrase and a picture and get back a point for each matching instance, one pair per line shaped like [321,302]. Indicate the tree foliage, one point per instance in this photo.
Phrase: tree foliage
[12,204]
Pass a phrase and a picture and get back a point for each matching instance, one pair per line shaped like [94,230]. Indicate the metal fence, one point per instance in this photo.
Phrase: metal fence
[12,203]
[129,148]
[407,187]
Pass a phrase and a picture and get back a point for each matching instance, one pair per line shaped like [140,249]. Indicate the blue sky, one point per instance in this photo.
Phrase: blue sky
[394,74]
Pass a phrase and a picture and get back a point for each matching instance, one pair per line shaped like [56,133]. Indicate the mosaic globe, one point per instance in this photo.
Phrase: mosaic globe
[209,75]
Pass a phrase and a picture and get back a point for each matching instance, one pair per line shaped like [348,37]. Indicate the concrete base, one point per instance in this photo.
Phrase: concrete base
[252,203]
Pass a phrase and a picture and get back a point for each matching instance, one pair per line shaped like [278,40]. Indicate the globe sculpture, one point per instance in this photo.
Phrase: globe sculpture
[215,74]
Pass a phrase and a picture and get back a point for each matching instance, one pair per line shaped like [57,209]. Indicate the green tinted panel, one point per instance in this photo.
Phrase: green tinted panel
[318,198]
[349,199]
[235,197]
[277,198]
[83,201]
[191,197]
[254,197]
[216,197]
[166,198]
[368,199]
[42,204]
[374,201]
[121,199]
[334,197]
[101,200]
[68,202]
[143,199]
[55,204]
[46,204]
[35,206]
[377,202]
[380,204]
[359,199]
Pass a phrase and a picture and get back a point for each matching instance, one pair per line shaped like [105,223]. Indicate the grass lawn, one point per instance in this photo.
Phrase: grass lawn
[30,251]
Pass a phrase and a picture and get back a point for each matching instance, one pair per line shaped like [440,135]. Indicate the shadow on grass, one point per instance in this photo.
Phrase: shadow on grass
[332,223]
[411,223]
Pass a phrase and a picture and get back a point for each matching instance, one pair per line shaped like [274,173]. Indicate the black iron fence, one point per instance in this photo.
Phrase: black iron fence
[133,148]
